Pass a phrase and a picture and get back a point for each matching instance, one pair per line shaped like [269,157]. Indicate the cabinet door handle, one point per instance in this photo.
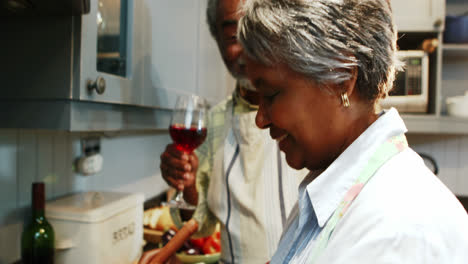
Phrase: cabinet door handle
[99,85]
[438,23]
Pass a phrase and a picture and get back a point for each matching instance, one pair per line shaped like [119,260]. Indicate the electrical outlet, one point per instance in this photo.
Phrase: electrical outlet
[91,160]
[89,165]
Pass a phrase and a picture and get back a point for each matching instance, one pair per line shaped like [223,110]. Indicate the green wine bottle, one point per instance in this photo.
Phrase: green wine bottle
[37,240]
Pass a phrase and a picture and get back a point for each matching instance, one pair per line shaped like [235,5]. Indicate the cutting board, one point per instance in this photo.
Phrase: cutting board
[152,236]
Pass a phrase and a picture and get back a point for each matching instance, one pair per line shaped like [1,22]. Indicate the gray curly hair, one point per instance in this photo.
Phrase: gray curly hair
[324,39]
[211,16]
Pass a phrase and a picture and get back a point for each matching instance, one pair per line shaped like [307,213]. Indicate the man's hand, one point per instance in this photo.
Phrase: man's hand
[178,168]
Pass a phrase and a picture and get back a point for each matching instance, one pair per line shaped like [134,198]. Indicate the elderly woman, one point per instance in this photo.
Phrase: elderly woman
[320,67]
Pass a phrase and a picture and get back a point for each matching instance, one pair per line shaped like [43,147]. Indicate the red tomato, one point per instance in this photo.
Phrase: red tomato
[212,245]
[198,242]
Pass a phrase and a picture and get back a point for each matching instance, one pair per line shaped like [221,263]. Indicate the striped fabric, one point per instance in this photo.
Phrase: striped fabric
[244,183]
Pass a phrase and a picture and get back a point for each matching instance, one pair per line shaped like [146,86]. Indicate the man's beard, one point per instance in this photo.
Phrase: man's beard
[241,78]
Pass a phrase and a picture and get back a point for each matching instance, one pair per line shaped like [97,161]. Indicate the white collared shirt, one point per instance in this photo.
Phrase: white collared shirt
[403,215]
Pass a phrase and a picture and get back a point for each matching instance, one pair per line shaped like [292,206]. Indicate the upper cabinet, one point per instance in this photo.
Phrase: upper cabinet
[119,66]
[107,54]
[419,21]
[146,52]
[419,15]
[43,8]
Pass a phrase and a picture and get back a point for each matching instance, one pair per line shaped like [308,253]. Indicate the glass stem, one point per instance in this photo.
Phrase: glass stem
[179,196]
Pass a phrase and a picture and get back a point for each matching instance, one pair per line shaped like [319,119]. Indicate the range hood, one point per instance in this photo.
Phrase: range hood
[44,7]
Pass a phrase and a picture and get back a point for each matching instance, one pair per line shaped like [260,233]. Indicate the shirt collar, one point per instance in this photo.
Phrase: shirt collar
[328,189]
[240,104]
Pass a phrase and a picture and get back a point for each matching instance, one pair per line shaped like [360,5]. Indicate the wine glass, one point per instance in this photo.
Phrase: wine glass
[188,131]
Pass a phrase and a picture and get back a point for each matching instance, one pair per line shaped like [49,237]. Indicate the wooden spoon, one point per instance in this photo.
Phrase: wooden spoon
[176,242]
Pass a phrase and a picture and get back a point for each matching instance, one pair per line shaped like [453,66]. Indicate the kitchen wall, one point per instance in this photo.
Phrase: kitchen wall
[131,164]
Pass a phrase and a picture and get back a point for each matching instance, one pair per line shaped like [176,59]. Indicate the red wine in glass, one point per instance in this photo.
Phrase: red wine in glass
[187,138]
[188,131]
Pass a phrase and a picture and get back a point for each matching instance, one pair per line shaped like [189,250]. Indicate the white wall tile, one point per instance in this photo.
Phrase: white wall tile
[127,160]
[450,162]
[27,165]
[148,186]
[45,161]
[62,164]
[8,181]
[462,170]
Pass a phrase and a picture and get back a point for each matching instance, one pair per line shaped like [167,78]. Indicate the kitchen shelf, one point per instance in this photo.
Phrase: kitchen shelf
[451,46]
[81,116]
[455,49]
[432,124]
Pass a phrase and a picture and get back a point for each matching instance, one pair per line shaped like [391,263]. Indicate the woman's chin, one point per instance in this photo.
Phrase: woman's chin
[294,162]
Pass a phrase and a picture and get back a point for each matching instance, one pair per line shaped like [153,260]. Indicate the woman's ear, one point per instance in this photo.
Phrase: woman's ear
[345,88]
[349,85]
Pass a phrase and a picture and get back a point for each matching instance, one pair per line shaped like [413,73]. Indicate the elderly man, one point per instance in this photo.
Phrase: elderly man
[239,174]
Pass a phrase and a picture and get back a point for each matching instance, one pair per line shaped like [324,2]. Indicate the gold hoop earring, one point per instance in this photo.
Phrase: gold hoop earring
[345,100]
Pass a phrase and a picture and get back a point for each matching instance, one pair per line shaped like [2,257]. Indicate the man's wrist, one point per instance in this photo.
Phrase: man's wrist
[191,194]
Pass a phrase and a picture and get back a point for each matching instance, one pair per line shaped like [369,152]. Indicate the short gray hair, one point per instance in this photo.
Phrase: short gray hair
[211,15]
[324,39]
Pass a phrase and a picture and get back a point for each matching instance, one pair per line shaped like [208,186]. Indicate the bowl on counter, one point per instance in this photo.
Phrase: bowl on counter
[207,258]
[458,105]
